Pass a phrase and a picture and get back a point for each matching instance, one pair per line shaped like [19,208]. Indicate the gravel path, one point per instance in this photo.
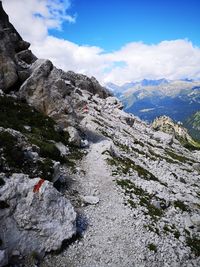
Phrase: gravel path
[116,235]
[108,240]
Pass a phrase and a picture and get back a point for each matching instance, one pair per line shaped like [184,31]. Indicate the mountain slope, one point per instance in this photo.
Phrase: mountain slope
[149,99]
[193,125]
[111,191]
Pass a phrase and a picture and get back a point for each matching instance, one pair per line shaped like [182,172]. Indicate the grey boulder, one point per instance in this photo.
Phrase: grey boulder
[35,217]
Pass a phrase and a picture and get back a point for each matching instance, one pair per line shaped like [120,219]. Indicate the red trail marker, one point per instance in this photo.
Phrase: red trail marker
[38,185]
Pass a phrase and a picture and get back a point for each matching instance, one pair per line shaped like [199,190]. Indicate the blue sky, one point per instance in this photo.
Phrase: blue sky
[111,24]
[113,40]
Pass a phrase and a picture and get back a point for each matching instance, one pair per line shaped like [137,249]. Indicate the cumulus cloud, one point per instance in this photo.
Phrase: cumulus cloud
[174,59]
[33,18]
[169,59]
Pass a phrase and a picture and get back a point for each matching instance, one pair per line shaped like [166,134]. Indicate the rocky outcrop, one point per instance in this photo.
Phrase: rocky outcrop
[167,125]
[89,84]
[15,57]
[34,216]
[58,94]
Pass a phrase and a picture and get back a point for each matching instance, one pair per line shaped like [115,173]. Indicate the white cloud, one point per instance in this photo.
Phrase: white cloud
[173,59]
[33,18]
[169,59]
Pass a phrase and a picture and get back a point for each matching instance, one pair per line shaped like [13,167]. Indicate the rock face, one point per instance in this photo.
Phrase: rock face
[54,92]
[34,215]
[167,125]
[14,57]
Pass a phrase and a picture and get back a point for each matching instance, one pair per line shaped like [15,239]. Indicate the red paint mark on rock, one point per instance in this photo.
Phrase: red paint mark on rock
[85,109]
[38,185]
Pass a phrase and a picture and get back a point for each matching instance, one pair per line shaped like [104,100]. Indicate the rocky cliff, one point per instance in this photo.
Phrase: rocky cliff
[167,125]
[74,166]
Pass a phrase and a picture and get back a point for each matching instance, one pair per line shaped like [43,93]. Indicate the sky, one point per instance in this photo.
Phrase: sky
[114,40]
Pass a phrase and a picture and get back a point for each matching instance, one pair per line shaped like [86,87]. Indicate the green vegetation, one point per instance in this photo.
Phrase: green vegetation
[45,168]
[13,154]
[177,234]
[152,228]
[157,156]
[180,204]
[122,146]
[105,134]
[152,247]
[16,114]
[131,203]
[193,126]
[144,198]
[177,157]
[42,132]
[125,165]
[14,159]
[138,142]
[126,148]
[171,229]
[194,244]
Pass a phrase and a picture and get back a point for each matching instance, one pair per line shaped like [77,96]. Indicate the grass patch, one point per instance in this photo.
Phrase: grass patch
[138,142]
[152,247]
[125,165]
[122,146]
[152,228]
[144,198]
[157,156]
[180,204]
[131,203]
[194,244]
[171,229]
[42,132]
[46,170]
[178,157]
[47,149]
[13,159]
[105,134]
[10,151]
[16,114]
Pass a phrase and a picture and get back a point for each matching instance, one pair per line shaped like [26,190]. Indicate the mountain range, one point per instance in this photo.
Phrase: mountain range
[149,99]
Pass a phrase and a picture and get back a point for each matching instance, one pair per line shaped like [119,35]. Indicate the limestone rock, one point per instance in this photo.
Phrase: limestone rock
[62,148]
[12,47]
[89,84]
[3,258]
[167,125]
[114,102]
[92,200]
[47,91]
[74,137]
[36,218]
